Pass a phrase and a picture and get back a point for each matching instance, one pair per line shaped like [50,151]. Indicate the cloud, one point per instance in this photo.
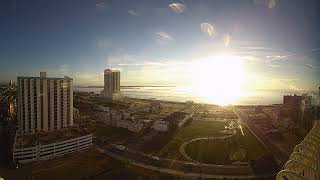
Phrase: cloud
[226,40]
[100,4]
[268,3]
[294,88]
[177,7]
[147,63]
[287,79]
[154,63]
[316,49]
[133,12]
[88,78]
[207,28]
[273,83]
[272,3]
[274,65]
[104,42]
[128,64]
[279,57]
[163,37]
[309,66]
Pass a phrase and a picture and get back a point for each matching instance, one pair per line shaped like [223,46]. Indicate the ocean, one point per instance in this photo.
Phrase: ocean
[182,94]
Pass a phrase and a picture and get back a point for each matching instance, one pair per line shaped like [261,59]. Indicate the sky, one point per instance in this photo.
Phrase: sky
[162,42]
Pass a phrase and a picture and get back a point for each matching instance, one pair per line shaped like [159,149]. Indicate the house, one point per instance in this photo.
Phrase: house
[162,126]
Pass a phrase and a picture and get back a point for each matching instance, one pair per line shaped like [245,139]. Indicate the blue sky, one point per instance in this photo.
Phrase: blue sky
[154,43]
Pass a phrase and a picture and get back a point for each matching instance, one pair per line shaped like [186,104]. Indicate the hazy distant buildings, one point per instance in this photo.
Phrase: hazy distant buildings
[44,103]
[7,103]
[111,84]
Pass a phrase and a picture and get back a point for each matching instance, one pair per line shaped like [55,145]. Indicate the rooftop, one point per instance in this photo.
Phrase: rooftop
[48,137]
[43,75]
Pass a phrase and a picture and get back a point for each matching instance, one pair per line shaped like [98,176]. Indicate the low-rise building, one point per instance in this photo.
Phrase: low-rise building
[123,123]
[155,107]
[102,108]
[135,126]
[162,126]
[125,116]
[104,117]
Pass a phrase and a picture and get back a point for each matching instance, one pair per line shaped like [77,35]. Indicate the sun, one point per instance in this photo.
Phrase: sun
[218,79]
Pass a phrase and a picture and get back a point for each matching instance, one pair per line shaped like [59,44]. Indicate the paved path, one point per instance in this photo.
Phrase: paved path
[179,173]
[183,146]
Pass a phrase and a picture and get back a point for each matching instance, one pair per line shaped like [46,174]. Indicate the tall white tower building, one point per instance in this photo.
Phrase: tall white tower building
[111,84]
[44,103]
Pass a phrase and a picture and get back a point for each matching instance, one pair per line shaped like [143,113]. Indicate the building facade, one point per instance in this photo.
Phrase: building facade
[76,114]
[111,84]
[162,126]
[49,151]
[44,103]
[295,106]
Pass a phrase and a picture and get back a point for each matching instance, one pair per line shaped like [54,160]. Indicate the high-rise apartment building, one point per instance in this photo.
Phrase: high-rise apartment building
[44,103]
[111,84]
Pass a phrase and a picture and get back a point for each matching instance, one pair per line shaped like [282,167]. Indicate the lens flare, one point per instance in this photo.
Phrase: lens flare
[218,79]
[207,28]
[177,7]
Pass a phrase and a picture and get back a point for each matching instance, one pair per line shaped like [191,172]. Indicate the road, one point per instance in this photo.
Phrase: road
[182,168]
[280,156]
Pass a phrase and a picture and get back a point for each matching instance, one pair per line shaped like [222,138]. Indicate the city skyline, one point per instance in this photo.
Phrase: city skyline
[170,89]
[163,43]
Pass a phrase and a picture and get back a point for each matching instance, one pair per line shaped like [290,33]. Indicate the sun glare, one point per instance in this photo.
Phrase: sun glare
[218,79]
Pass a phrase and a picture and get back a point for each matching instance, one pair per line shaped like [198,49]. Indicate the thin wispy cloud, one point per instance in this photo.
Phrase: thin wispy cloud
[104,42]
[88,78]
[316,49]
[272,3]
[267,3]
[128,64]
[279,57]
[177,8]
[226,40]
[100,4]
[133,12]
[163,37]
[274,65]
[311,66]
[296,54]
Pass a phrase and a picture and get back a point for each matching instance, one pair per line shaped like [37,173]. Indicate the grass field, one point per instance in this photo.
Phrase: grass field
[238,148]
[241,147]
[194,130]
[250,143]
[87,164]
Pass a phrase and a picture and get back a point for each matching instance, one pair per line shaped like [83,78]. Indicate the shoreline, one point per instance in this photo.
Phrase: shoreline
[180,102]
